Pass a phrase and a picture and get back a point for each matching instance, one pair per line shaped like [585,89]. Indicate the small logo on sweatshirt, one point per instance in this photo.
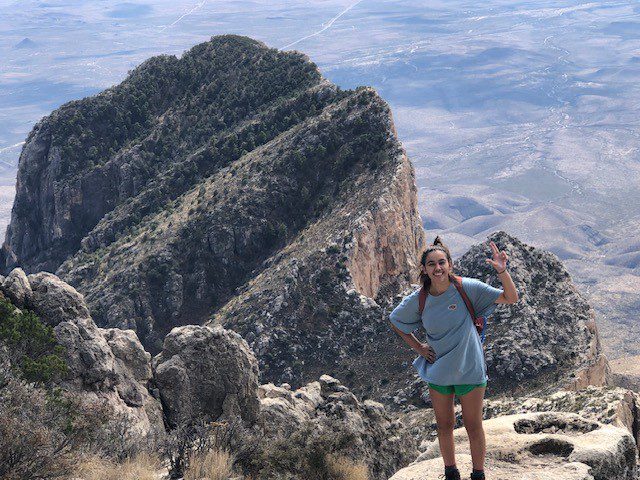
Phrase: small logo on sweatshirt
[453,306]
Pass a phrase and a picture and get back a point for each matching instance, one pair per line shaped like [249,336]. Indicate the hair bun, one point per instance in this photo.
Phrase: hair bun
[437,241]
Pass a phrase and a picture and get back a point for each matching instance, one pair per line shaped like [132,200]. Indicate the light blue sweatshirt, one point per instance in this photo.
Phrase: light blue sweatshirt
[450,332]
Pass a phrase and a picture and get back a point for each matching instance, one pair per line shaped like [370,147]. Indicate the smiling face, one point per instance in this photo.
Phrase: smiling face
[437,266]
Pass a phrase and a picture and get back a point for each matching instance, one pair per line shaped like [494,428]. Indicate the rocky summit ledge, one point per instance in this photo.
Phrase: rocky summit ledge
[539,446]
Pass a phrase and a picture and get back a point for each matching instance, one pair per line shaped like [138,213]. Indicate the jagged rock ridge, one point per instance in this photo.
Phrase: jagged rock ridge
[171,225]
[136,146]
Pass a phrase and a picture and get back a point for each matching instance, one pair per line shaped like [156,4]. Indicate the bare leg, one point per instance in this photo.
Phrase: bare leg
[472,418]
[445,420]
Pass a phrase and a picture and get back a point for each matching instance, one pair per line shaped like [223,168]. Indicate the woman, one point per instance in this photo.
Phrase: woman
[452,360]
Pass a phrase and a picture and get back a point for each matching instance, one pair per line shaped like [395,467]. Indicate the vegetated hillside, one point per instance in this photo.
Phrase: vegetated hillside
[240,152]
[94,168]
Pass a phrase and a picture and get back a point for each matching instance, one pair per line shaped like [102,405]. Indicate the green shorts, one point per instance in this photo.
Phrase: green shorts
[457,389]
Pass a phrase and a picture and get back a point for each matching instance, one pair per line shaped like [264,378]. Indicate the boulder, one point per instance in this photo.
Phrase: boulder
[129,351]
[113,376]
[55,301]
[207,372]
[16,287]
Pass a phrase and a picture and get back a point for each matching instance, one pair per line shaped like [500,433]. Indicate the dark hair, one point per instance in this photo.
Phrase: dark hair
[436,245]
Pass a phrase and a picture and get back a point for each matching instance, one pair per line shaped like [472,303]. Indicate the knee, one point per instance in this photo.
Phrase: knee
[445,426]
[474,428]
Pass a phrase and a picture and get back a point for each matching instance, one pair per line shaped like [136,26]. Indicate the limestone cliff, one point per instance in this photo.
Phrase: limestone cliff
[246,160]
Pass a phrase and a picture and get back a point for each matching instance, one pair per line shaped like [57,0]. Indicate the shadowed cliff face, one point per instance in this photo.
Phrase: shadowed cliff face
[243,158]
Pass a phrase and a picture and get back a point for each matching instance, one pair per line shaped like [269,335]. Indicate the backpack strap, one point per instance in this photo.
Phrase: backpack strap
[457,281]
[479,322]
[422,299]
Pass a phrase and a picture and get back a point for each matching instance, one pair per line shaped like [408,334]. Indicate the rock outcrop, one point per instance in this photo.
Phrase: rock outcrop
[103,366]
[330,408]
[55,301]
[541,446]
[548,339]
[208,373]
[16,287]
[500,470]
[609,405]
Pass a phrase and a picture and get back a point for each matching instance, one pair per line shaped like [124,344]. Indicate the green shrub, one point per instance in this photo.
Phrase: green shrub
[33,349]
[307,453]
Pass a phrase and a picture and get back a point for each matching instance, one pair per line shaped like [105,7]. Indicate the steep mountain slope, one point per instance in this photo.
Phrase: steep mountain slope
[243,152]
[95,167]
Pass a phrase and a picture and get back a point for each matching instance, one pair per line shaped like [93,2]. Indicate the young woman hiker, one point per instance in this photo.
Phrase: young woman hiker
[452,361]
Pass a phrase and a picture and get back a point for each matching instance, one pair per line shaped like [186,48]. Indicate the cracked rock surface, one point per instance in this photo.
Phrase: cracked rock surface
[544,446]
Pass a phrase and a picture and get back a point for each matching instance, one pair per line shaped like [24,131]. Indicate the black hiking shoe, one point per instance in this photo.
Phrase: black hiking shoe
[453,475]
[477,476]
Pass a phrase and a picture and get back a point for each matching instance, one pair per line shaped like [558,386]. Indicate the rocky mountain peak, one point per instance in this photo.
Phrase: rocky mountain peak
[198,180]
[549,337]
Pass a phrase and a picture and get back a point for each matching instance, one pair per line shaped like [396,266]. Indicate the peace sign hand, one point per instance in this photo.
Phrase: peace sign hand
[499,260]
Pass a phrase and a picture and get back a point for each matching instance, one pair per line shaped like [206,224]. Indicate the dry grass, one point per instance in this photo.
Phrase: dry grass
[141,467]
[212,465]
[343,468]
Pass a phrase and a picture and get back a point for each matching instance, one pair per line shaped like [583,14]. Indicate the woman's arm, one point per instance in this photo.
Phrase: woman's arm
[510,294]
[499,262]
[421,348]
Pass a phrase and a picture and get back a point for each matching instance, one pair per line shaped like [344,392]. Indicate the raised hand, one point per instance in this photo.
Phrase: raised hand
[499,260]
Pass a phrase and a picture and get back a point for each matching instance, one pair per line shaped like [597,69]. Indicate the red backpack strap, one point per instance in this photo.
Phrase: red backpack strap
[479,322]
[457,281]
[422,299]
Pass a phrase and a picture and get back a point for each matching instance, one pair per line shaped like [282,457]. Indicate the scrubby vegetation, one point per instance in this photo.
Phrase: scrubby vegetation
[221,450]
[143,466]
[42,431]
[45,431]
[30,346]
